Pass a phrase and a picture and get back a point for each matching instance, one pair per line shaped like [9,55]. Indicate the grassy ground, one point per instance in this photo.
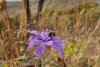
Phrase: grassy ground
[79,25]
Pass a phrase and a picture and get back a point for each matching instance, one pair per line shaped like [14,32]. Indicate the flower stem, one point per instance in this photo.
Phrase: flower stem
[64,62]
[41,62]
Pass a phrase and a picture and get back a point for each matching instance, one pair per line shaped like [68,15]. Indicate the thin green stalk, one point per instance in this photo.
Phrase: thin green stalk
[41,62]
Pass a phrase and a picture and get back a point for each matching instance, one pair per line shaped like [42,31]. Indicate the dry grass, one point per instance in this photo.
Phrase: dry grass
[79,26]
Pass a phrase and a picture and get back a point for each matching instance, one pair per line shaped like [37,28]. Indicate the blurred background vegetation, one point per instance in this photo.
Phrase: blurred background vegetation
[76,21]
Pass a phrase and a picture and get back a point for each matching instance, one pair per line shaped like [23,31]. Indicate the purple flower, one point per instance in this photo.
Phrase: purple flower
[41,39]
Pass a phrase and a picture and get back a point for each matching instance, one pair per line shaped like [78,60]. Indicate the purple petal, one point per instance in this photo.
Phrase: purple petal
[44,34]
[58,45]
[33,32]
[28,30]
[59,49]
[59,41]
[63,42]
[39,51]
[34,42]
[30,38]
[49,42]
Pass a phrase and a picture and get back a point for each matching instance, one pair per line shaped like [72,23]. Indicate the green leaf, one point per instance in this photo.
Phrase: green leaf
[3,65]
[68,49]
